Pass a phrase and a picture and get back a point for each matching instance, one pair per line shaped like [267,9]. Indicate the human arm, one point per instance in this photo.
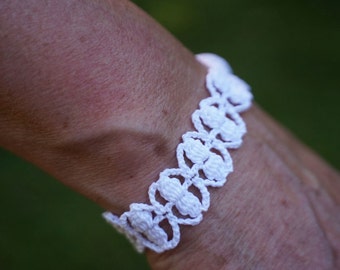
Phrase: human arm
[90,131]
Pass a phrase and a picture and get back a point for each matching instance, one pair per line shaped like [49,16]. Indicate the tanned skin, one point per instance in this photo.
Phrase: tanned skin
[98,94]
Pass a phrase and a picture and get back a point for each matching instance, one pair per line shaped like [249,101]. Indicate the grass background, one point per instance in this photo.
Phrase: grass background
[288,51]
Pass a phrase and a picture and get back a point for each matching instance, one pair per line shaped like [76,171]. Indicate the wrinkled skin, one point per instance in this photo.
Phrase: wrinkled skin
[98,94]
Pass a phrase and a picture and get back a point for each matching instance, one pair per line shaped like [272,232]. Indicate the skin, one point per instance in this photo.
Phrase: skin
[98,94]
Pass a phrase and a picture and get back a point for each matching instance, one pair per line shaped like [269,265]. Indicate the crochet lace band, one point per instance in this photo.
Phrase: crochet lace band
[180,195]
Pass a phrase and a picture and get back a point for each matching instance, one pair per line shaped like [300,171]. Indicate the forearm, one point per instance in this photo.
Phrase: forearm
[93,85]
[70,64]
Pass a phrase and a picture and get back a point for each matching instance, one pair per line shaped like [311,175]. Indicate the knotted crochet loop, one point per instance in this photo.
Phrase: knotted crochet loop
[180,195]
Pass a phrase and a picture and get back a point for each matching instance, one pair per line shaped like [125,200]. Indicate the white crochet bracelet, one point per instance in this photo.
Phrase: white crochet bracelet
[203,161]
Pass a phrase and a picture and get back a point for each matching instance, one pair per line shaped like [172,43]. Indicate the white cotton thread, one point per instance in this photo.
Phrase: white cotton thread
[203,161]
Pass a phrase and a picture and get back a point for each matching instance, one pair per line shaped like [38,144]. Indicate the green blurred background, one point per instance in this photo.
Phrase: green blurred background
[288,51]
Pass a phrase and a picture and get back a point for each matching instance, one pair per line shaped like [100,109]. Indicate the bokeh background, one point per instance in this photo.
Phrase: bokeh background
[288,51]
